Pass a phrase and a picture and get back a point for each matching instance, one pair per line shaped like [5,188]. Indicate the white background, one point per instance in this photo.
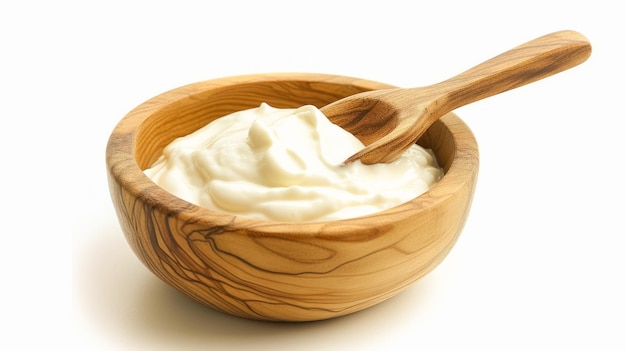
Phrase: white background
[540,264]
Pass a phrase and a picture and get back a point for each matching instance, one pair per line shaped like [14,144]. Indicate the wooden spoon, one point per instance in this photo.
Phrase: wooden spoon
[389,121]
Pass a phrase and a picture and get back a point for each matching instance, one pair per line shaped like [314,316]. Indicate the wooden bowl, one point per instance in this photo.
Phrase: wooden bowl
[270,270]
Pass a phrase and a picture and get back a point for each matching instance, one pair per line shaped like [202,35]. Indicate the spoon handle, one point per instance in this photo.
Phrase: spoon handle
[527,63]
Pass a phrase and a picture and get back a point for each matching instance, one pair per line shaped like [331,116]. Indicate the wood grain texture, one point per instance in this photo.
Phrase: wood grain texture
[389,121]
[271,270]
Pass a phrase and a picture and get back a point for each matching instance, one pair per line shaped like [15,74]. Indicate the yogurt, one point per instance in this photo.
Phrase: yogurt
[287,165]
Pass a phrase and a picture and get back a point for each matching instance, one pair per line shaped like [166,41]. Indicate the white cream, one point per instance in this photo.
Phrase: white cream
[286,165]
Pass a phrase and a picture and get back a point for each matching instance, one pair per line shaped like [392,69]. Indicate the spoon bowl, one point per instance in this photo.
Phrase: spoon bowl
[389,121]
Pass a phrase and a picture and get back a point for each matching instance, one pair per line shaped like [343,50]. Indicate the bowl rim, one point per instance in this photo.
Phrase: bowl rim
[124,170]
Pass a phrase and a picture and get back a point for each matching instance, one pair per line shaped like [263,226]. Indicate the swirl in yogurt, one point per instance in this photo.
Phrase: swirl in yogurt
[286,165]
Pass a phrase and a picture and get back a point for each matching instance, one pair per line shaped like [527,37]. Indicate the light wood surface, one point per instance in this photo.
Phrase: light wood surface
[270,270]
[390,121]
